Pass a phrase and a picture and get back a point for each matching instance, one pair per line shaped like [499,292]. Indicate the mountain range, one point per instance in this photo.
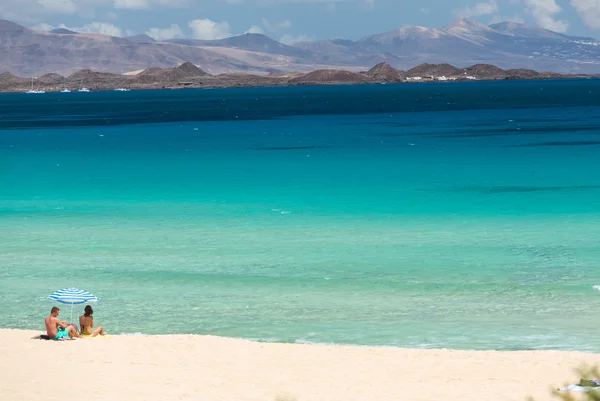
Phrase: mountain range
[508,45]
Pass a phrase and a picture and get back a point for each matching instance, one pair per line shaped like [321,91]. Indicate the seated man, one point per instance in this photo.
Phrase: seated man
[58,330]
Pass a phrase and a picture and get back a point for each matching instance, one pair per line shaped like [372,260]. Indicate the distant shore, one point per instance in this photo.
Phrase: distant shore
[189,367]
[189,75]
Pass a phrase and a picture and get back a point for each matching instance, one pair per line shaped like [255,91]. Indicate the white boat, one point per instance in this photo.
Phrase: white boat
[122,90]
[65,91]
[34,90]
[82,88]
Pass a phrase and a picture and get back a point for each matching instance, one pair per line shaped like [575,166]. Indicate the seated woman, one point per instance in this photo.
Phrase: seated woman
[86,321]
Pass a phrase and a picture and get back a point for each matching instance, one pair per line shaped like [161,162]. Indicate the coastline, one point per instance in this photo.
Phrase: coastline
[237,85]
[191,76]
[192,367]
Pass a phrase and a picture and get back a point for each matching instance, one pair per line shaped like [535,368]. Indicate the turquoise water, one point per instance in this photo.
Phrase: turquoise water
[463,215]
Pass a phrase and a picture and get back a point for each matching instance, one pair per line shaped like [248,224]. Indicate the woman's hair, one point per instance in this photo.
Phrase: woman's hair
[88,311]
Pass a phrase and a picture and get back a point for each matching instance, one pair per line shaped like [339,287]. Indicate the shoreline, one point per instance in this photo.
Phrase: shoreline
[189,75]
[134,88]
[33,333]
[192,367]
[302,342]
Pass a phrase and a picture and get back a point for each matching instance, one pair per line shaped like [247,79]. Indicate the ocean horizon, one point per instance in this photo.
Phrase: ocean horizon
[438,215]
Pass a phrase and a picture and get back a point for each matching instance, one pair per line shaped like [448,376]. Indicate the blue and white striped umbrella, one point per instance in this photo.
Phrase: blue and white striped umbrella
[72,296]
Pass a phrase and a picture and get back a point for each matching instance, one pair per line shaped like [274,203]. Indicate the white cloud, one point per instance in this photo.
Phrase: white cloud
[131,4]
[499,18]
[175,3]
[32,11]
[207,30]
[290,39]
[142,4]
[59,6]
[543,12]
[94,27]
[477,10]
[172,32]
[589,11]
[276,26]
[100,27]
[43,27]
[255,29]
[275,2]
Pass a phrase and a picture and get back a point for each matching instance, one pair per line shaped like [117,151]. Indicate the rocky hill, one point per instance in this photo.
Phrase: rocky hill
[383,72]
[426,70]
[330,77]
[189,75]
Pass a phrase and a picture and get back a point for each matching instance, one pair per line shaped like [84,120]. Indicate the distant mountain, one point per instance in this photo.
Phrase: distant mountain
[414,44]
[254,42]
[27,52]
[519,30]
[51,79]
[462,43]
[6,78]
[408,41]
[63,31]
[8,28]
[508,45]
[473,31]
[140,39]
[345,53]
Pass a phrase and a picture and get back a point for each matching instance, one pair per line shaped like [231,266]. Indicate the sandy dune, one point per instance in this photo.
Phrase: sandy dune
[183,367]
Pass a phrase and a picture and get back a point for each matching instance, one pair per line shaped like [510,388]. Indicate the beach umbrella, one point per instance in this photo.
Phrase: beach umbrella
[72,296]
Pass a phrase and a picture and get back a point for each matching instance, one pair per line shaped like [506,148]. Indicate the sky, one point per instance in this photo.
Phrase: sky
[291,21]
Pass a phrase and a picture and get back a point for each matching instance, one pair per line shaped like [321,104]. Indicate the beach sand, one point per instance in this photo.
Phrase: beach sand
[187,367]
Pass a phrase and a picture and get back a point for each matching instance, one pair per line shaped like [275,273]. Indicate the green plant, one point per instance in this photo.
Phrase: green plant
[586,373]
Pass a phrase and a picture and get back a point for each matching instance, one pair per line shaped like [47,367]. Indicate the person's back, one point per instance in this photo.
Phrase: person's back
[86,323]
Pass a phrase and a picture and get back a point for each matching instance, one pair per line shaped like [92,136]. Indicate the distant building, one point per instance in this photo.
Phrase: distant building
[414,78]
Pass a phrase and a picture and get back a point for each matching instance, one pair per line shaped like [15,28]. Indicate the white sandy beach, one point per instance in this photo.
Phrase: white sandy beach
[184,367]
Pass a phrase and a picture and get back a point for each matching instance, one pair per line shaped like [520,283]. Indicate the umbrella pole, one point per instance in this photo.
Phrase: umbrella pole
[71,314]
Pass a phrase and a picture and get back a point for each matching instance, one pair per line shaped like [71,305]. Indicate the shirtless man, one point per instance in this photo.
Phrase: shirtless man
[58,330]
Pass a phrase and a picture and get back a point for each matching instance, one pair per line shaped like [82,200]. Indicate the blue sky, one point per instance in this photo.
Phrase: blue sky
[292,20]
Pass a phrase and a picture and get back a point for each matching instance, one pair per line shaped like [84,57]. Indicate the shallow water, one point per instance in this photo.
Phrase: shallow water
[435,215]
